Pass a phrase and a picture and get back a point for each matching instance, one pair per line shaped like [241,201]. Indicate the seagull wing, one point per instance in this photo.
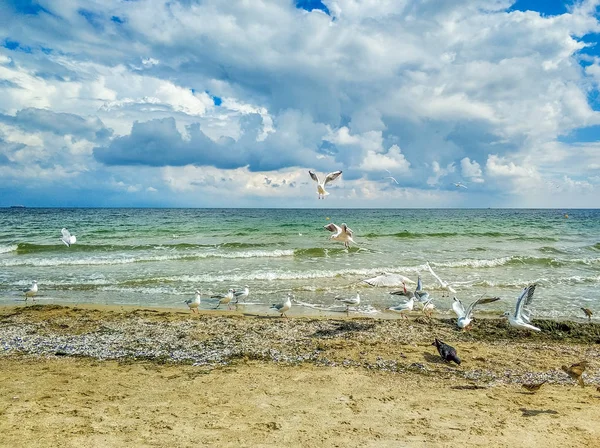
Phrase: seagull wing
[419,284]
[347,230]
[480,301]
[388,280]
[331,177]
[524,299]
[313,176]
[66,236]
[443,283]
[458,308]
[333,228]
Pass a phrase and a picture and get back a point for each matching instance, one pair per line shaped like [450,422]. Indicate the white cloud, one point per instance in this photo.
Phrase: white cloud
[439,172]
[393,160]
[471,170]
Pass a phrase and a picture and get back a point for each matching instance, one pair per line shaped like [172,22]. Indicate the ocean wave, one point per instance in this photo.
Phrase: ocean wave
[7,249]
[550,250]
[595,246]
[513,261]
[534,238]
[324,251]
[408,234]
[29,248]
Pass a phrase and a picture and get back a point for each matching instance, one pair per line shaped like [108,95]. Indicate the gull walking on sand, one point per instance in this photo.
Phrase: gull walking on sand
[354,301]
[519,319]
[67,238]
[445,286]
[194,303]
[343,234]
[224,298]
[465,318]
[241,295]
[284,306]
[404,307]
[31,291]
[321,185]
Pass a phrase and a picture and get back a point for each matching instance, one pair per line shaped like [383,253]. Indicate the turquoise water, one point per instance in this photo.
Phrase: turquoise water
[158,257]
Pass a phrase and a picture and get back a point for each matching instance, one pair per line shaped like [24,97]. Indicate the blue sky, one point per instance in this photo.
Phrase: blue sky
[229,104]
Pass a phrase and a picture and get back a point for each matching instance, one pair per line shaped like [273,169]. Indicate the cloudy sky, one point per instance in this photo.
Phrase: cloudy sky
[211,103]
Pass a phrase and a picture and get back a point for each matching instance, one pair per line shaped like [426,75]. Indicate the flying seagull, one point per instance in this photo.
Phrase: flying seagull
[465,317]
[519,319]
[31,291]
[444,284]
[321,185]
[224,298]
[460,185]
[391,177]
[343,234]
[355,301]
[194,303]
[447,352]
[67,238]
[284,306]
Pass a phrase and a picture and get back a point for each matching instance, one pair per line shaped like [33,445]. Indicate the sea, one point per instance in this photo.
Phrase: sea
[159,257]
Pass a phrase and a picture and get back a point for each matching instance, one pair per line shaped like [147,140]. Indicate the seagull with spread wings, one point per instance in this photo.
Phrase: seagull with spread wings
[465,317]
[460,185]
[391,177]
[343,234]
[445,285]
[519,319]
[321,185]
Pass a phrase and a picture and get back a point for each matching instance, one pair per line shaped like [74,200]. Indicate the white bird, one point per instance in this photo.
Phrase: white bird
[460,185]
[391,177]
[194,303]
[343,234]
[403,307]
[519,319]
[321,185]
[284,306]
[428,307]
[466,317]
[67,238]
[224,298]
[241,295]
[388,280]
[355,301]
[31,291]
[444,284]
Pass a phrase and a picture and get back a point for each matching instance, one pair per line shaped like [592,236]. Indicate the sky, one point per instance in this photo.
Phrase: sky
[209,103]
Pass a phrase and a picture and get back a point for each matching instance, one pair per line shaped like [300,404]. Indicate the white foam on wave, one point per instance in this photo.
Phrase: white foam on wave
[7,249]
[474,263]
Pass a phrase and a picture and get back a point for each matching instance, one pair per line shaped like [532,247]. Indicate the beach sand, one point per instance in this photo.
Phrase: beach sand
[287,382]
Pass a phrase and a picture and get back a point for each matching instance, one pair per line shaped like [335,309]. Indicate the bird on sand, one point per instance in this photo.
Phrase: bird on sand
[343,234]
[519,319]
[404,307]
[194,303]
[321,185]
[241,295]
[465,317]
[354,301]
[284,306]
[447,352]
[575,371]
[67,238]
[31,291]
[533,387]
[587,312]
[224,298]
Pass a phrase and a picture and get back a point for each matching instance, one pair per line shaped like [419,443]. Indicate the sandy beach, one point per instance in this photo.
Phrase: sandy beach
[113,376]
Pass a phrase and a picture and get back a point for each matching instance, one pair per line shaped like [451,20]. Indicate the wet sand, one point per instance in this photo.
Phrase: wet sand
[276,382]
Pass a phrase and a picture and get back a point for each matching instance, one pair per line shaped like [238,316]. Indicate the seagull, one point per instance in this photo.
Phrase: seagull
[31,291]
[519,320]
[391,177]
[241,295]
[465,317]
[67,238]
[321,185]
[587,312]
[388,280]
[420,295]
[575,371]
[224,298]
[194,303]
[284,306]
[444,284]
[403,307]
[428,307]
[533,387]
[447,352]
[460,185]
[343,233]
[349,301]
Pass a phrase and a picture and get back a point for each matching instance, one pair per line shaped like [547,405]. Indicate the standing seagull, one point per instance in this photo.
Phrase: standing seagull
[444,284]
[355,301]
[406,306]
[343,233]
[518,319]
[284,306]
[224,298]
[67,238]
[194,303]
[465,317]
[321,185]
[447,352]
[241,295]
[31,291]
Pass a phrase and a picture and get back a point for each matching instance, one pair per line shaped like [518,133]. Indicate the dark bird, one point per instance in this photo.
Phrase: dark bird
[587,312]
[575,371]
[447,352]
[533,387]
